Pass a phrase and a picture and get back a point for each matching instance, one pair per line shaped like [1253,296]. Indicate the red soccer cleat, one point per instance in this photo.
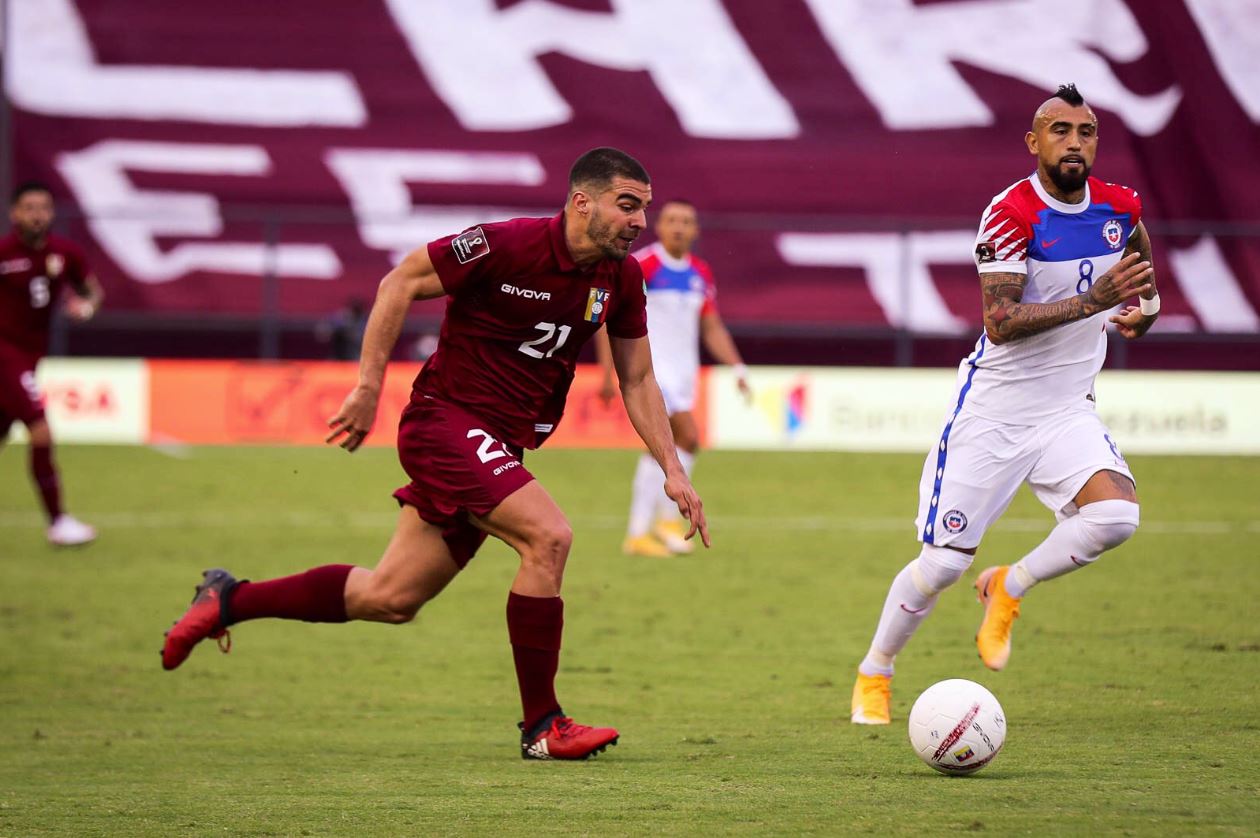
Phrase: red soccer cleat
[559,737]
[206,617]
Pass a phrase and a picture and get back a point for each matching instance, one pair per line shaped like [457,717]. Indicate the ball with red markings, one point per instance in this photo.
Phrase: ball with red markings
[957,726]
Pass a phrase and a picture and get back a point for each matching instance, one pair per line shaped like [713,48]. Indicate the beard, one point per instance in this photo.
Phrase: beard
[1069,181]
[606,239]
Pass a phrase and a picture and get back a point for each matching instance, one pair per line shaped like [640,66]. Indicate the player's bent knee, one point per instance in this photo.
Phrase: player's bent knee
[937,568]
[1109,523]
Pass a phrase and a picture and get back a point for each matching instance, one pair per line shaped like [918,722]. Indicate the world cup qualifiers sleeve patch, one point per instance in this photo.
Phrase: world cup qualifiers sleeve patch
[986,252]
[470,245]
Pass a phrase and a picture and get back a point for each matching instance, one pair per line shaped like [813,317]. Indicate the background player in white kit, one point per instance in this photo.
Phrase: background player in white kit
[1055,253]
[681,312]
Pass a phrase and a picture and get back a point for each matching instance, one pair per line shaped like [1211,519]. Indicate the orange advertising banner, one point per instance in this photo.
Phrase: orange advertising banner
[230,403]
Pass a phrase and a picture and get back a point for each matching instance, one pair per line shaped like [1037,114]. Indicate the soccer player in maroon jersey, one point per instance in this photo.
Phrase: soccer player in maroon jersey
[35,266]
[523,296]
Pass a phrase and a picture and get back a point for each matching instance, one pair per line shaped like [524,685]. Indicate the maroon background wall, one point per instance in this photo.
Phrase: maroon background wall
[864,122]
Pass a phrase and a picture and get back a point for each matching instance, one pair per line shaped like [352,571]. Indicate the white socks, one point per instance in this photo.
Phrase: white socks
[648,501]
[648,479]
[1074,543]
[910,599]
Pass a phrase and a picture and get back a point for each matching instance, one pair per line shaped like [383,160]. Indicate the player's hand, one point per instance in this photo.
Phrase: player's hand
[355,418]
[607,392]
[1131,323]
[681,492]
[745,389]
[79,309]
[1127,278]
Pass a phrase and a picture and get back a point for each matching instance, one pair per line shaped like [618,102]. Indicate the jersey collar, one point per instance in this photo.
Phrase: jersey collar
[1053,202]
[559,246]
[669,261]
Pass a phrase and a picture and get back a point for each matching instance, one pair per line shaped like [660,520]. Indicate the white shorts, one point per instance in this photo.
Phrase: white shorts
[973,473]
[679,392]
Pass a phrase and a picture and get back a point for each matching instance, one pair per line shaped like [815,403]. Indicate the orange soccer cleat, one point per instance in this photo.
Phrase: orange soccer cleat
[872,700]
[993,639]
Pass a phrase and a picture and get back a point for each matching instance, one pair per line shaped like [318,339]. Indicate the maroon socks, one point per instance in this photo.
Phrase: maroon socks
[316,596]
[44,473]
[534,628]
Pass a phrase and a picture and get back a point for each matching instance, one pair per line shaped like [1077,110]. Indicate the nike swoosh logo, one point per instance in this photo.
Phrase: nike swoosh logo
[913,610]
[1050,243]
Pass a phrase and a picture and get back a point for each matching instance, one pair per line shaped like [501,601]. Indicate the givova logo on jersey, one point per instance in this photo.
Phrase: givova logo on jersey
[1113,233]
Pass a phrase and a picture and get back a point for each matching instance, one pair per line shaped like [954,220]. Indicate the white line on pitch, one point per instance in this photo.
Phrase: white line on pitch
[371,520]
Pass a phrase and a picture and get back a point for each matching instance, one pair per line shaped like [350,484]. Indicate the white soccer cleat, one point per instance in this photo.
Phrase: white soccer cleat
[68,531]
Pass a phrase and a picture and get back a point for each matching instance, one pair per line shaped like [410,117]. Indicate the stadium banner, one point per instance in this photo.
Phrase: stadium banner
[840,152]
[99,400]
[856,409]
[227,403]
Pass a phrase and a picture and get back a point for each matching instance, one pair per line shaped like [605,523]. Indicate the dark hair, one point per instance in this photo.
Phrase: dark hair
[1068,93]
[680,201]
[600,165]
[29,186]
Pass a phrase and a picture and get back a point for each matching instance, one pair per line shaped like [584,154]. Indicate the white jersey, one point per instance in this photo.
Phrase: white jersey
[679,293]
[1061,248]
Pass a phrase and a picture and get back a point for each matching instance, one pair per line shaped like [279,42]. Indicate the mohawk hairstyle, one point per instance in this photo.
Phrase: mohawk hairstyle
[27,187]
[599,166]
[1068,93]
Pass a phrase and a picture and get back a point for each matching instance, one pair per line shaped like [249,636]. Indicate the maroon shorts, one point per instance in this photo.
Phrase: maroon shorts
[19,397]
[456,467]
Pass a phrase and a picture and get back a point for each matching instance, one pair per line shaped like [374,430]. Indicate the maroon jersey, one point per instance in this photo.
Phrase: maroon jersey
[30,285]
[518,313]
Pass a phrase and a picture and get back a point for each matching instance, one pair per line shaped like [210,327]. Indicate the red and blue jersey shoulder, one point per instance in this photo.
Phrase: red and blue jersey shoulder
[688,275]
[1101,229]
[1121,199]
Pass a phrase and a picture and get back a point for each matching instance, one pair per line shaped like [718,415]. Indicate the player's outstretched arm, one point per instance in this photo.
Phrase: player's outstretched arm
[1006,318]
[414,279]
[646,409]
[718,341]
[1131,322]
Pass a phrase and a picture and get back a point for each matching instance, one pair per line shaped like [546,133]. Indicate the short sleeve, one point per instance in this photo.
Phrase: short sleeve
[629,311]
[1002,243]
[466,258]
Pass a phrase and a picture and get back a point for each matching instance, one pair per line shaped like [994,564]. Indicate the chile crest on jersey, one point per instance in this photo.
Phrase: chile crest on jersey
[1098,231]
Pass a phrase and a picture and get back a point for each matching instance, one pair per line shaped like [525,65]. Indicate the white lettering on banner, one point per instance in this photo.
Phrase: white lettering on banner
[483,62]
[896,267]
[1231,31]
[900,55]
[128,221]
[376,181]
[50,69]
[1211,288]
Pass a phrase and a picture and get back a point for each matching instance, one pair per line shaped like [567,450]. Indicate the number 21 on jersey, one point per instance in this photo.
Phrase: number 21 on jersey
[549,330]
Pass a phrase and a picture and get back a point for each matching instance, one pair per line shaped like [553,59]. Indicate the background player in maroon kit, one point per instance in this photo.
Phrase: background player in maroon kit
[35,266]
[524,295]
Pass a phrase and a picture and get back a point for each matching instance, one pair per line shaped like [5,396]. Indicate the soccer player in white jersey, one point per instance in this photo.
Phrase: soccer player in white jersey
[682,311]
[1056,252]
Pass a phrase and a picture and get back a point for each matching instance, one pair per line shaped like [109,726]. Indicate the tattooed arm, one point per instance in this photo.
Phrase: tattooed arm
[1006,318]
[1131,322]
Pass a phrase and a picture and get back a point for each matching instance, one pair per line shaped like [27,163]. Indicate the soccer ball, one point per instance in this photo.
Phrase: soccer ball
[957,726]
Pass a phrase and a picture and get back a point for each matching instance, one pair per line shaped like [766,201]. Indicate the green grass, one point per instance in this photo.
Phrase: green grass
[1131,696]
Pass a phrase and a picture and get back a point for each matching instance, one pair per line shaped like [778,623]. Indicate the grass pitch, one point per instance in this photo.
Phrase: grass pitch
[1131,695]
